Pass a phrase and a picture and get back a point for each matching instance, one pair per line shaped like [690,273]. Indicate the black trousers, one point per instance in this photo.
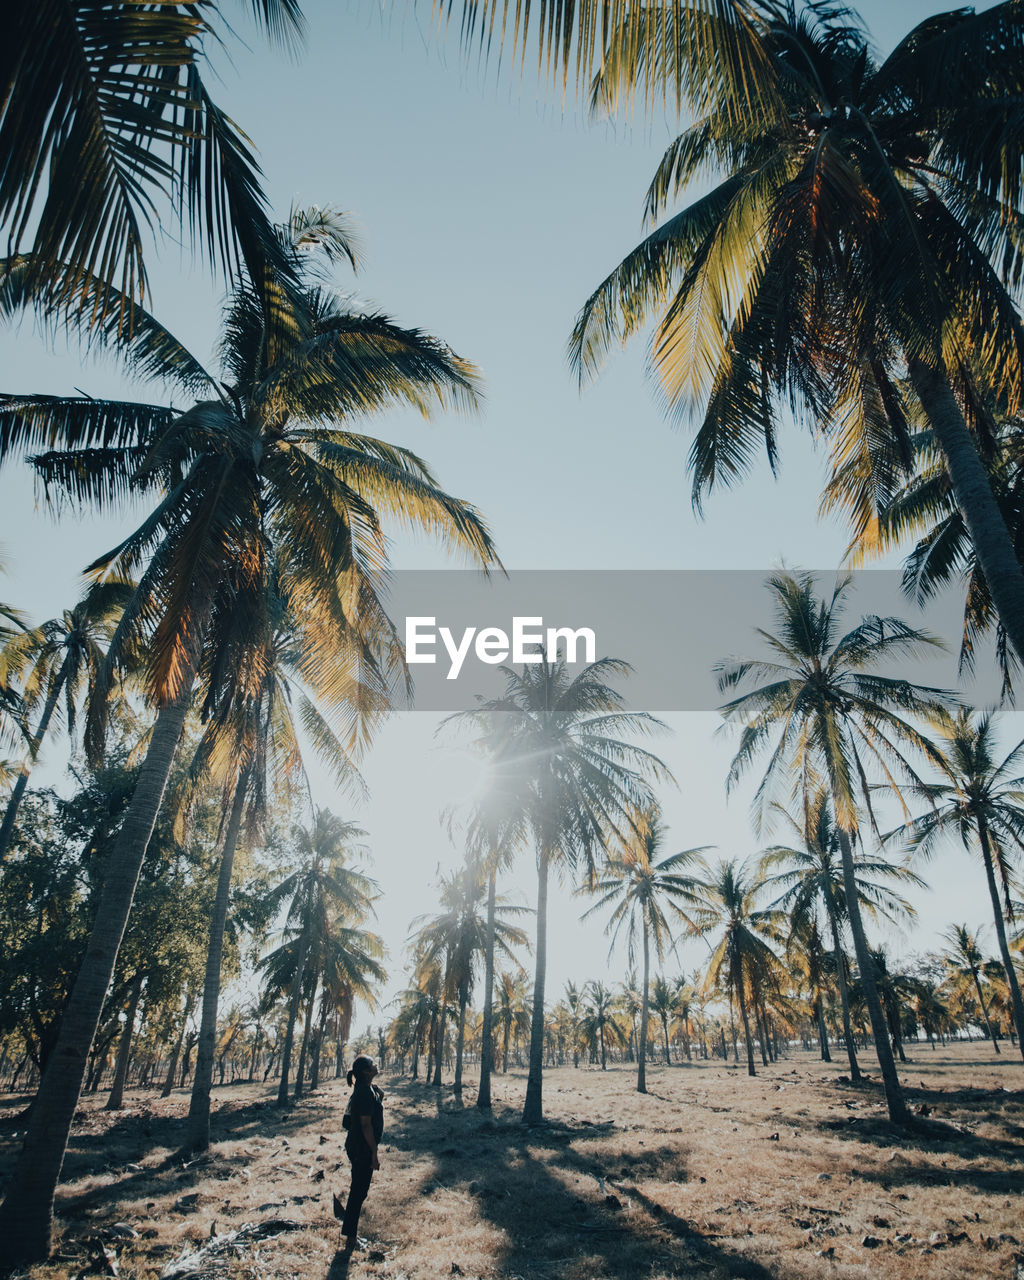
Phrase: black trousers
[362,1174]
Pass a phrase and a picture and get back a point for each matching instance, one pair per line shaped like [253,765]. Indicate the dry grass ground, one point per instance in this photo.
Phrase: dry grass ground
[788,1176]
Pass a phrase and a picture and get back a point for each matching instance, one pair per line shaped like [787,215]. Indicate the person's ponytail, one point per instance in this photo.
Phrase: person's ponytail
[350,1077]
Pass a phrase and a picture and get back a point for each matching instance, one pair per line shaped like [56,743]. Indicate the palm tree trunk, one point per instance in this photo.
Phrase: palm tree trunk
[898,1111]
[116,1099]
[460,1042]
[293,1013]
[993,545]
[307,1028]
[664,1029]
[26,1216]
[844,992]
[172,1066]
[533,1110]
[442,1022]
[984,1010]
[318,1039]
[483,1096]
[641,1071]
[826,1055]
[746,1027]
[1016,1003]
[197,1127]
[14,803]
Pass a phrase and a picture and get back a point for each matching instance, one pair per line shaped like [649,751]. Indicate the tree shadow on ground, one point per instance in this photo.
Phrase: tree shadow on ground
[560,1210]
[96,1149]
[916,1150]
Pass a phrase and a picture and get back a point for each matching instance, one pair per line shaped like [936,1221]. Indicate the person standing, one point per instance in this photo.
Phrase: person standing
[364,1122]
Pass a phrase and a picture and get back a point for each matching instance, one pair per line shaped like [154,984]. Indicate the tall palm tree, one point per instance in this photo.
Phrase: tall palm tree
[964,958]
[65,656]
[811,880]
[326,901]
[860,222]
[256,750]
[742,960]
[579,783]
[981,800]
[826,714]
[639,890]
[460,934]
[263,475]
[104,114]
[495,830]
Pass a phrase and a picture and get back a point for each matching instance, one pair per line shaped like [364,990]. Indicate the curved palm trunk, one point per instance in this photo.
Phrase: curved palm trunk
[124,1049]
[172,1066]
[483,1096]
[197,1129]
[533,1110]
[993,545]
[898,1111]
[844,993]
[641,1071]
[26,1216]
[1016,1004]
[14,803]
[293,1013]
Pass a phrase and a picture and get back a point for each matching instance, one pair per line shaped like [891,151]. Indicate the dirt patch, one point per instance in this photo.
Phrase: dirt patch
[789,1175]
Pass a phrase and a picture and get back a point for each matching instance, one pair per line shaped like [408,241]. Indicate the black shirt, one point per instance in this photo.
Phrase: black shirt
[366,1100]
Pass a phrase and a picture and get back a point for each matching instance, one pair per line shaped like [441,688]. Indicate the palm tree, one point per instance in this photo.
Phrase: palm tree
[981,799]
[963,958]
[812,968]
[812,880]
[885,507]
[460,934]
[326,902]
[833,717]
[742,961]
[103,110]
[599,1023]
[577,779]
[261,476]
[639,889]
[256,750]
[495,830]
[664,1003]
[66,655]
[853,188]
[512,1015]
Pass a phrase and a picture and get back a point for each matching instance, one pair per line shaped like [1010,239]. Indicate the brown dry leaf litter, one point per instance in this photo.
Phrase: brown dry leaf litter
[788,1176]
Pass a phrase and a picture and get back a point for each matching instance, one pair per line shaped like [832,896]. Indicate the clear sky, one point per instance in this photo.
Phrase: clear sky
[489,212]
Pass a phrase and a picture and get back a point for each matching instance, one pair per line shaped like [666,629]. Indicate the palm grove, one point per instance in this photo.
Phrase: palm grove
[856,261]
